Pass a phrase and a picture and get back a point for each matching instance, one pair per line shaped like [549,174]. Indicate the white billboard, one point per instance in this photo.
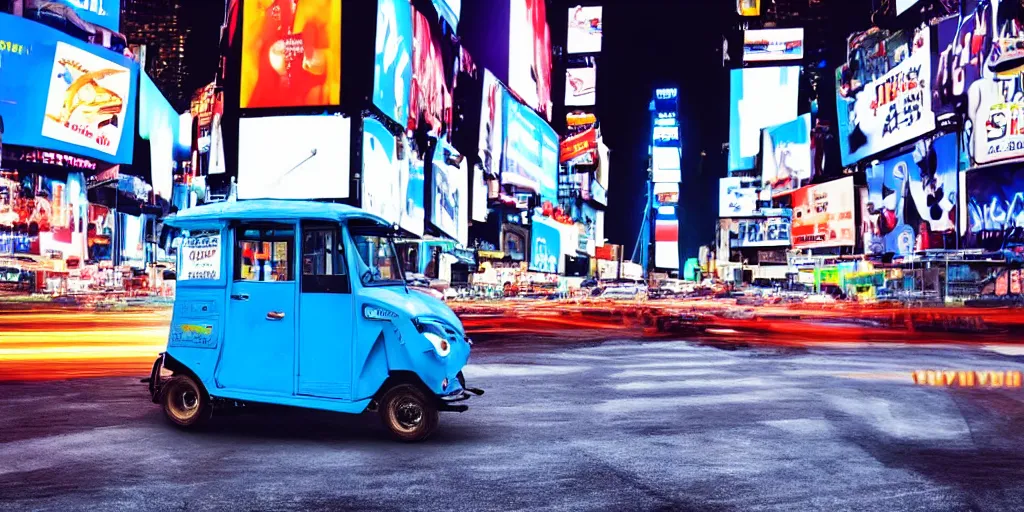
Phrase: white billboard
[769,45]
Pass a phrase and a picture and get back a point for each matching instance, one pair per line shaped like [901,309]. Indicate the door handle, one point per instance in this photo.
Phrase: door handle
[240,296]
[275,315]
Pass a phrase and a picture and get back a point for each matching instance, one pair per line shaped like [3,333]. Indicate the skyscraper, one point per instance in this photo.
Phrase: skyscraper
[156,30]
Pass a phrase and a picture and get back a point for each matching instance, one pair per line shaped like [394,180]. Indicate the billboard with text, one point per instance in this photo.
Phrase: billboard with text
[823,215]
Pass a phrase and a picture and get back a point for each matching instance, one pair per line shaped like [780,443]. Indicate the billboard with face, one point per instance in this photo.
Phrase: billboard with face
[529,55]
[291,53]
[786,163]
[68,96]
[823,215]
[392,69]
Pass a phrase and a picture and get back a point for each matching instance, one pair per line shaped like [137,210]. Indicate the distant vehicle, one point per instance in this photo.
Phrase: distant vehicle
[624,289]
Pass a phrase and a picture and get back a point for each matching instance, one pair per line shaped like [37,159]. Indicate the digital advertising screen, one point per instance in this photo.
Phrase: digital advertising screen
[786,163]
[933,194]
[748,7]
[449,11]
[529,55]
[996,113]
[764,232]
[995,208]
[382,176]
[666,241]
[895,108]
[105,13]
[291,54]
[69,96]
[581,86]
[531,152]
[293,157]
[450,193]
[884,229]
[585,29]
[430,95]
[823,215]
[777,44]
[737,197]
[492,110]
[160,124]
[545,246]
[759,98]
[392,68]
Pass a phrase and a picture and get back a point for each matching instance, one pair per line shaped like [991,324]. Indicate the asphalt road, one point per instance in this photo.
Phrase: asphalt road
[602,426]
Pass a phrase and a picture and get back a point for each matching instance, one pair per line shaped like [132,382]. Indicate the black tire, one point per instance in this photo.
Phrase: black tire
[408,413]
[185,402]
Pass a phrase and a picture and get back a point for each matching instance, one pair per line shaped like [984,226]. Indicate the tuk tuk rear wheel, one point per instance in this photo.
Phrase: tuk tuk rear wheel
[184,401]
[408,413]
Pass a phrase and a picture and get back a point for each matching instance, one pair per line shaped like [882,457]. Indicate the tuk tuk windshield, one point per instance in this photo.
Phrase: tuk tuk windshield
[378,260]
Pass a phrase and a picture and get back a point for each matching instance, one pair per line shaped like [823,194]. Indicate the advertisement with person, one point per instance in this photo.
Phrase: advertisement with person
[933,189]
[581,86]
[70,96]
[382,179]
[823,215]
[737,197]
[531,152]
[450,193]
[293,157]
[545,246]
[889,111]
[786,163]
[759,98]
[492,110]
[430,96]
[291,53]
[585,29]
[769,45]
[105,13]
[529,55]
[392,68]
[995,208]
[766,232]
[995,104]
[882,224]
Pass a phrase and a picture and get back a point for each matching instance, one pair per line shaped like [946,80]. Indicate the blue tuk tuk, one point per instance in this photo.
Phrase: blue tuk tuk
[304,304]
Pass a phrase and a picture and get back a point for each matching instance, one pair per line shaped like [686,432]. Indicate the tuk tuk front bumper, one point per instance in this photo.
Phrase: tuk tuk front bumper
[449,402]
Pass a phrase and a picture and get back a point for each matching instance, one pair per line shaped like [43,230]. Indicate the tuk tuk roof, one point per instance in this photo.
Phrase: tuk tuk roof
[269,210]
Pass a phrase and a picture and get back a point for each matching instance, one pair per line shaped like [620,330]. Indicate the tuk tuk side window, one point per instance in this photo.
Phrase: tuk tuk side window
[323,259]
[264,253]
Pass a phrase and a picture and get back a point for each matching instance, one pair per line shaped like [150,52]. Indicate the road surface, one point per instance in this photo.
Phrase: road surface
[615,425]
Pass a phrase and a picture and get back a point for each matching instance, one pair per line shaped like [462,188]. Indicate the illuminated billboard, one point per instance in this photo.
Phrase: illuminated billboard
[531,151]
[291,54]
[293,157]
[160,124]
[392,69]
[585,30]
[69,96]
[529,55]
[903,5]
[450,193]
[581,86]
[823,215]
[545,246]
[995,208]
[748,7]
[764,232]
[492,110]
[105,13]
[737,197]
[391,190]
[666,241]
[786,163]
[883,227]
[773,45]
[759,98]
[450,11]
[891,110]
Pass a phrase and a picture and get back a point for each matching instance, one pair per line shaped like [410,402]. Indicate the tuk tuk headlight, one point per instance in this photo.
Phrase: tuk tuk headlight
[436,335]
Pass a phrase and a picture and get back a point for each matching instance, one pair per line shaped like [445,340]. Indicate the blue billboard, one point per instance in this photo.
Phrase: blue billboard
[66,95]
[531,151]
[159,123]
[105,13]
[758,98]
[392,68]
[884,227]
[545,247]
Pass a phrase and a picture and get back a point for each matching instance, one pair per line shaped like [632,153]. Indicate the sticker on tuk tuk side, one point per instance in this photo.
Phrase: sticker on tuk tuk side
[200,257]
[192,335]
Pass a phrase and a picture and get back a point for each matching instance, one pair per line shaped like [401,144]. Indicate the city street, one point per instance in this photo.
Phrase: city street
[617,425]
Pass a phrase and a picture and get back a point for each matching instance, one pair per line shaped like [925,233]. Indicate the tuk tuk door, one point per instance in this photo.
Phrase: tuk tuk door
[326,314]
[259,346]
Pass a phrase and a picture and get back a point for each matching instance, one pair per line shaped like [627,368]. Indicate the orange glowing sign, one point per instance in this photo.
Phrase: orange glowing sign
[968,378]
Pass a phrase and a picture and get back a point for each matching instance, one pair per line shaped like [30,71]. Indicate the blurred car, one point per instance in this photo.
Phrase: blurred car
[624,289]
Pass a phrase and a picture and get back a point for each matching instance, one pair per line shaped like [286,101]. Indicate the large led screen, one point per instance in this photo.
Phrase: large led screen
[823,215]
[585,29]
[666,242]
[895,108]
[995,208]
[391,190]
[545,246]
[759,98]
[293,157]
[492,109]
[450,193]
[105,13]
[291,53]
[883,226]
[160,124]
[581,86]
[766,232]
[996,99]
[529,55]
[67,96]
[737,197]
[786,163]
[530,153]
[773,44]
[450,11]
[392,69]
[430,95]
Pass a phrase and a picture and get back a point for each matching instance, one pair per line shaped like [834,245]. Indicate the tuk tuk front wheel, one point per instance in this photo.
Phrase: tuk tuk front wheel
[184,402]
[408,413]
